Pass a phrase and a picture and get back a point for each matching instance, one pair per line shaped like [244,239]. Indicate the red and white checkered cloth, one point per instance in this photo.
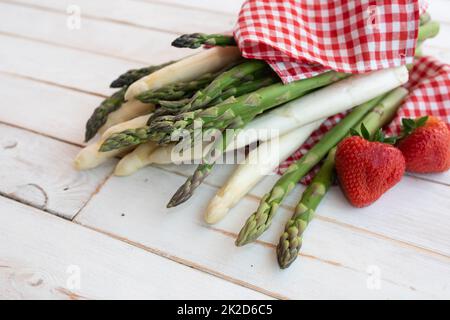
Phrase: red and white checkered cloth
[303,38]
[429,94]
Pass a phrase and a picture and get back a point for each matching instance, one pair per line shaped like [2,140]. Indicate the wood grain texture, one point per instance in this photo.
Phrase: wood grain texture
[335,258]
[395,215]
[51,110]
[41,257]
[38,170]
[67,67]
[156,16]
[230,7]
[101,37]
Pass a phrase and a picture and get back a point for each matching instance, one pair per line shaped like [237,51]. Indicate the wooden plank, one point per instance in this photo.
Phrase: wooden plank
[38,170]
[102,37]
[441,40]
[396,215]
[54,111]
[439,9]
[441,53]
[230,7]
[64,66]
[335,258]
[41,257]
[144,14]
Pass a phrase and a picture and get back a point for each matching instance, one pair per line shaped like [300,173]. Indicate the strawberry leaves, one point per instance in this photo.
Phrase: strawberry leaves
[409,125]
[378,136]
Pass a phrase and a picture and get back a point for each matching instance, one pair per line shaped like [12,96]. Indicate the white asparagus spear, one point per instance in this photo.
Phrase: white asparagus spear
[325,102]
[89,157]
[187,69]
[135,160]
[259,163]
[149,152]
[129,110]
[169,154]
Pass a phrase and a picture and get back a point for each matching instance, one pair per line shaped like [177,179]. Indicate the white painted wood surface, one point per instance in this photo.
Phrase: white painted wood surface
[38,170]
[72,262]
[337,257]
[53,77]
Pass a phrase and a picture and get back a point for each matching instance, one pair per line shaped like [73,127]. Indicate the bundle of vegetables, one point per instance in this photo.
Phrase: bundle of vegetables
[159,111]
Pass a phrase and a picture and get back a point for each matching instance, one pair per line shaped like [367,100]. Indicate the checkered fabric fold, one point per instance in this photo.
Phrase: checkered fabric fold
[429,94]
[303,38]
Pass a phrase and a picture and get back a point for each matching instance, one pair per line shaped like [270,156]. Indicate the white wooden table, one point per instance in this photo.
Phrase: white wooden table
[89,235]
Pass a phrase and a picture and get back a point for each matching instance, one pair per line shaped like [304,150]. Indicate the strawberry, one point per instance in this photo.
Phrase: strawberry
[367,169]
[425,145]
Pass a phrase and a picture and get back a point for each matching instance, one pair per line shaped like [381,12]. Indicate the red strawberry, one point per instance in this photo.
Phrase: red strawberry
[426,147]
[367,169]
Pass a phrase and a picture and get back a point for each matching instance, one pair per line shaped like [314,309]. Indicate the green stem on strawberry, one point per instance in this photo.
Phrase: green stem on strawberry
[291,240]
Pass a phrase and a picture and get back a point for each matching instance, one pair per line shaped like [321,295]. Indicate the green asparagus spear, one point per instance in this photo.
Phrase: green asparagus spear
[428,30]
[100,114]
[228,78]
[204,169]
[176,91]
[291,239]
[245,88]
[174,107]
[424,18]
[250,105]
[258,102]
[260,221]
[133,75]
[196,40]
[163,128]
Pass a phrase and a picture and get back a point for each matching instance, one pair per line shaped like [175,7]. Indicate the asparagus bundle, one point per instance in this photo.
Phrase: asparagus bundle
[232,116]
[220,116]
[291,239]
[347,93]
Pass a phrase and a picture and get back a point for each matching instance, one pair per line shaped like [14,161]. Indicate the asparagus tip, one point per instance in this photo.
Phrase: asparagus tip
[243,239]
[182,195]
